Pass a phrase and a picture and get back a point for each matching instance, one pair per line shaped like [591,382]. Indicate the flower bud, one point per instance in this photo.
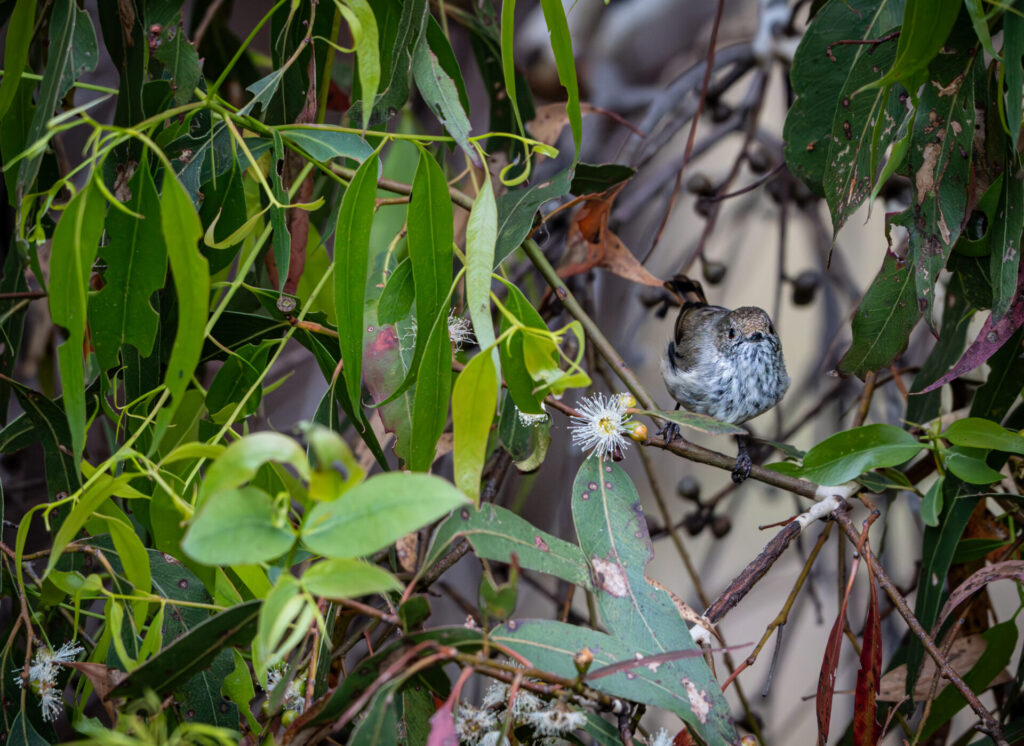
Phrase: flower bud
[637,432]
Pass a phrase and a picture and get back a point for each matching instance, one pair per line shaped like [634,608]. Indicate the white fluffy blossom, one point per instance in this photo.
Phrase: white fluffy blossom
[529,420]
[556,720]
[294,698]
[661,738]
[601,426]
[472,725]
[42,676]
[459,330]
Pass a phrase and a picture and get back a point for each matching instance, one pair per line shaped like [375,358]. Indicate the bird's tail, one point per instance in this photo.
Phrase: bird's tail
[688,291]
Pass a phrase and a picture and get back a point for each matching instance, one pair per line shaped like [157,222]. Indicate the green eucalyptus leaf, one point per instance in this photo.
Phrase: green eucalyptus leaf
[850,453]
[341,578]
[238,527]
[372,515]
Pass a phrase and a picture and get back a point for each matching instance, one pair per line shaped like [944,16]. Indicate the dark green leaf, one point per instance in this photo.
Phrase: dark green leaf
[23,734]
[431,396]
[181,61]
[237,527]
[850,453]
[594,179]
[323,145]
[1013,54]
[397,297]
[233,381]
[931,505]
[1006,371]
[883,320]
[527,441]
[516,210]
[818,82]
[565,63]
[1005,242]
[377,512]
[926,24]
[400,27]
[12,327]
[969,465]
[281,239]
[136,257]
[182,231]
[75,242]
[200,697]
[439,84]
[73,51]
[497,533]
[351,261]
[922,408]
[940,161]
[16,44]
[192,652]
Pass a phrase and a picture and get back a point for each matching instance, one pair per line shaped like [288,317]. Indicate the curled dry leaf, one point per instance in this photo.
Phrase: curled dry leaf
[964,653]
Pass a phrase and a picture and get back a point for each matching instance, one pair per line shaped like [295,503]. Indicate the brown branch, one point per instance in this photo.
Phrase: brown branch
[856,42]
[987,724]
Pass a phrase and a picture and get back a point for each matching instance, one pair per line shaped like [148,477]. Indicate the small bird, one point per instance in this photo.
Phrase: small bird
[725,364]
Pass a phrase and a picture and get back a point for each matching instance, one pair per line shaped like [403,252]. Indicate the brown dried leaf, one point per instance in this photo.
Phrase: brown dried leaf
[964,653]
[988,574]
[866,729]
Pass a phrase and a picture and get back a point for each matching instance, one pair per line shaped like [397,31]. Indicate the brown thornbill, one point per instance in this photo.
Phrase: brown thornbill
[725,364]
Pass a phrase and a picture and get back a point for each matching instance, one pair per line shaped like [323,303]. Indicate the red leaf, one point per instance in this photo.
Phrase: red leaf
[991,337]
[866,731]
[827,677]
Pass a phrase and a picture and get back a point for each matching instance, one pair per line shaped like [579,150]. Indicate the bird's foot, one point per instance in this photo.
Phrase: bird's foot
[741,471]
[669,432]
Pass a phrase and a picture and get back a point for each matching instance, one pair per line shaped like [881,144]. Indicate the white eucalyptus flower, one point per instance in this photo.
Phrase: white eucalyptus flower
[556,720]
[603,424]
[42,676]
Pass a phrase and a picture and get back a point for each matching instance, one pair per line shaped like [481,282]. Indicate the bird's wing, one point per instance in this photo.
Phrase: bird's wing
[689,321]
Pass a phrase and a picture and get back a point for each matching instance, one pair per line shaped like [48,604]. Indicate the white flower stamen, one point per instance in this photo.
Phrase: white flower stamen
[600,429]
[42,676]
[459,331]
[294,698]
[529,420]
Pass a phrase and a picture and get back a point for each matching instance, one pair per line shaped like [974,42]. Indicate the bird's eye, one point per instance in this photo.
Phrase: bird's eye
[732,333]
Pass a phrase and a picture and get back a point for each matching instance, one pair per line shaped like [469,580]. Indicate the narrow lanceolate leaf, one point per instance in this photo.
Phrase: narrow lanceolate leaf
[351,257]
[473,406]
[439,90]
[613,536]
[282,241]
[561,46]
[182,232]
[363,26]
[481,235]
[16,43]
[866,729]
[72,51]
[136,259]
[1006,236]
[508,65]
[884,319]
[430,239]
[1013,51]
[942,142]
[430,400]
[924,29]
[75,242]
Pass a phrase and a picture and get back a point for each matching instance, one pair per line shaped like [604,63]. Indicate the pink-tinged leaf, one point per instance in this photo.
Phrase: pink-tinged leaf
[827,677]
[866,730]
[383,371]
[991,337]
[442,727]
[988,574]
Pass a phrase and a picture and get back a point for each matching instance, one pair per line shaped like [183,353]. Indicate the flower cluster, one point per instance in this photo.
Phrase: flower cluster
[294,695]
[483,726]
[603,423]
[42,676]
